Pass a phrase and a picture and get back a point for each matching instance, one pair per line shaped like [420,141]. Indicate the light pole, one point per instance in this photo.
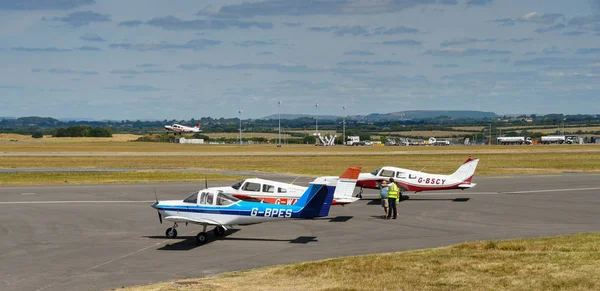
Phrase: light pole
[490,141]
[240,112]
[317,120]
[279,117]
[344,126]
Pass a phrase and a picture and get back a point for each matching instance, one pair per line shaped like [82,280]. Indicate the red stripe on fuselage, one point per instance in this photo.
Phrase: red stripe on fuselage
[372,184]
[274,200]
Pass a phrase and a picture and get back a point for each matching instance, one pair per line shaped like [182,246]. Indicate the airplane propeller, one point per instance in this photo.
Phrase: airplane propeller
[205,182]
[159,216]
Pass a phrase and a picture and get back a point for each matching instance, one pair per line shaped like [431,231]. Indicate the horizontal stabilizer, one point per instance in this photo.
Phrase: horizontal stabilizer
[470,185]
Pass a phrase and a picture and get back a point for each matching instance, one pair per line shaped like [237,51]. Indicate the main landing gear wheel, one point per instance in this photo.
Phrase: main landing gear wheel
[201,237]
[171,232]
[219,231]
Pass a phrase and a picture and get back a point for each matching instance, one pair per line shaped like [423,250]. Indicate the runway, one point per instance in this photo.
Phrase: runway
[98,237]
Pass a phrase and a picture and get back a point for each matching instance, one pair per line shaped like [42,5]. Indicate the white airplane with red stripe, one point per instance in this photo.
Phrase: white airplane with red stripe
[410,180]
[274,192]
[178,128]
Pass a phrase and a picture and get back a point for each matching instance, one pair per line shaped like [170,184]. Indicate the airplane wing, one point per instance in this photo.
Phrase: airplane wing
[174,218]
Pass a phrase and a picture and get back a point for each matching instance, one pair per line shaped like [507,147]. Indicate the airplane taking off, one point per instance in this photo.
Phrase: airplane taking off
[177,128]
[410,180]
[273,192]
[211,207]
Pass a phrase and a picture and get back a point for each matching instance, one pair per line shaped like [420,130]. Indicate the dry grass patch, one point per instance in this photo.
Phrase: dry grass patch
[247,135]
[49,139]
[470,128]
[569,262]
[425,134]
[534,163]
[54,178]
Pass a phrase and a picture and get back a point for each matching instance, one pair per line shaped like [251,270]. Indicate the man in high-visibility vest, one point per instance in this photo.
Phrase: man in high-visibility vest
[393,197]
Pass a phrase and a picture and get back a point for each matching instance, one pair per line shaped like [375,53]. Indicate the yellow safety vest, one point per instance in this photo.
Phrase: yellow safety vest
[393,191]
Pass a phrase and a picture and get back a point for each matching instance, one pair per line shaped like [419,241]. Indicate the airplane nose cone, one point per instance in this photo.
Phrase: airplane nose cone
[155,205]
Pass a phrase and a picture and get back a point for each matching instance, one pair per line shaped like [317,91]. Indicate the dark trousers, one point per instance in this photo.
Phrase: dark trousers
[392,208]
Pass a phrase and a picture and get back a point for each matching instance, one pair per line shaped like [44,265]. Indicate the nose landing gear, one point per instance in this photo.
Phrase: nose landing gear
[171,231]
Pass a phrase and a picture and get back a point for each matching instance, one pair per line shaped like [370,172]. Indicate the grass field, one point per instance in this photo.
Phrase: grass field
[247,135]
[425,134]
[534,163]
[470,128]
[50,139]
[47,178]
[569,262]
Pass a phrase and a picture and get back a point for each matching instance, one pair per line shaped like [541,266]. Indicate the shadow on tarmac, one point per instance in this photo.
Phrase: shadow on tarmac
[408,199]
[186,243]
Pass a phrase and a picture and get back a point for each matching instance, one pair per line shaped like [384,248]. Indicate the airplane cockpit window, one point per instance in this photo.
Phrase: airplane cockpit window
[268,188]
[251,187]
[401,175]
[209,198]
[281,190]
[206,198]
[387,173]
[224,199]
[374,173]
[192,198]
[237,185]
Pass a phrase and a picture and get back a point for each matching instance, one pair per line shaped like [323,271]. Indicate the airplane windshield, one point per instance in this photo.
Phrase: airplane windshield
[192,198]
[237,185]
[224,199]
[374,173]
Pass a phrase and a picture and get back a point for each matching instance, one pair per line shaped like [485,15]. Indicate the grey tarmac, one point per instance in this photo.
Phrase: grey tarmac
[99,237]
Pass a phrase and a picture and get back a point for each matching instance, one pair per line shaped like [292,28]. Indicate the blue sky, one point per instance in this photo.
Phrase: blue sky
[181,59]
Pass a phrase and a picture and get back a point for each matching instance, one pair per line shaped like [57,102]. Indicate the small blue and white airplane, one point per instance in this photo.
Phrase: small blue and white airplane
[212,207]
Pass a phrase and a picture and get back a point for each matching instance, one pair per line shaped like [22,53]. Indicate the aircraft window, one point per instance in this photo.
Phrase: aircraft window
[374,173]
[209,198]
[281,190]
[237,185]
[223,199]
[203,198]
[251,187]
[401,175]
[387,173]
[192,198]
[268,188]
[411,176]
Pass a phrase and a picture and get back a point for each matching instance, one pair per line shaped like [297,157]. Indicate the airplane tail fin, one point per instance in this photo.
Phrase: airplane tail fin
[465,172]
[344,189]
[315,201]
[197,125]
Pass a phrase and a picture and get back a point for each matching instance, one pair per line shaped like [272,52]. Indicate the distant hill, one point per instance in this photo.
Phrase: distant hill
[423,114]
[401,115]
[294,116]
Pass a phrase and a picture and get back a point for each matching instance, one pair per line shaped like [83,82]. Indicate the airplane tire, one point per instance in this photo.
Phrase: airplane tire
[219,231]
[201,237]
[171,233]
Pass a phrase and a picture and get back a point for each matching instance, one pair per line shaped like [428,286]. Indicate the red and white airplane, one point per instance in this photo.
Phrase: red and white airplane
[177,128]
[410,180]
[273,192]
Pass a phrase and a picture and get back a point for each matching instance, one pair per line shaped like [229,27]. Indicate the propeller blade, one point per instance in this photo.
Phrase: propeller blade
[159,217]
[205,182]
[155,196]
